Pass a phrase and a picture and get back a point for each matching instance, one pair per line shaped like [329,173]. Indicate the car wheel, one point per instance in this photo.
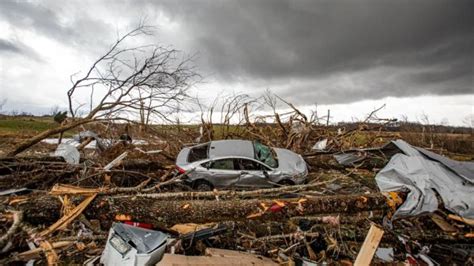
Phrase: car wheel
[286,182]
[202,185]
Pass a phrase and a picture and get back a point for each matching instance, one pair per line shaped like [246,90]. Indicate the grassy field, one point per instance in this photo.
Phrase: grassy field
[25,125]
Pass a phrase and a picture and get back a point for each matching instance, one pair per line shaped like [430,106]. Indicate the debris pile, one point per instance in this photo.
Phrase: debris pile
[126,204]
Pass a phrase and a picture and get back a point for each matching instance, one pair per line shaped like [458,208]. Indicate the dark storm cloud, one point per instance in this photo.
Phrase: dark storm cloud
[307,50]
[33,15]
[282,40]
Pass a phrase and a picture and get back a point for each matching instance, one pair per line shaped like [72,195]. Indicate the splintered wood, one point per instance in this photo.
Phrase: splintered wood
[66,219]
[65,189]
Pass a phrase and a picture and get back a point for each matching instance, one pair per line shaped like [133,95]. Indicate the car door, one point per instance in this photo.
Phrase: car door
[222,173]
[251,174]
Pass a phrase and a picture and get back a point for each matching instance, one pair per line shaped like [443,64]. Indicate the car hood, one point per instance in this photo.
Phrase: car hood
[289,161]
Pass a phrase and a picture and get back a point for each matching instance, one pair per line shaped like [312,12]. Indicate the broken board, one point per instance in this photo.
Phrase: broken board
[369,246]
[217,257]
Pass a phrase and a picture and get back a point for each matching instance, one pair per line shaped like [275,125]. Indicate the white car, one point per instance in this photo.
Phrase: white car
[240,164]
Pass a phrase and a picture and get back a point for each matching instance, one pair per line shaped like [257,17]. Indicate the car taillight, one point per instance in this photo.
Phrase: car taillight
[180,170]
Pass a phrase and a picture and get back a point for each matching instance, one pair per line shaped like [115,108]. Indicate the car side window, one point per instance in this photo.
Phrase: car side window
[198,153]
[264,167]
[249,165]
[223,164]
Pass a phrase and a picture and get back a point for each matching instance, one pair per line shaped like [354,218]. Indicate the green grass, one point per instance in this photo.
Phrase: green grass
[25,124]
[28,125]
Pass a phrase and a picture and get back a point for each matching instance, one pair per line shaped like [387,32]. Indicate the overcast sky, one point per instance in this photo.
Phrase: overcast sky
[350,56]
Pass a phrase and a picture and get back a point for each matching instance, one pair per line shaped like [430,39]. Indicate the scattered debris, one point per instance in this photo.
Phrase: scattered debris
[320,145]
[130,245]
[385,254]
[424,179]
[116,161]
[68,152]
[190,227]
[15,191]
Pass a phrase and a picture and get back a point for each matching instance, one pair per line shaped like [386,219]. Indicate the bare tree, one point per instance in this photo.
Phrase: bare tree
[130,82]
[468,121]
[2,103]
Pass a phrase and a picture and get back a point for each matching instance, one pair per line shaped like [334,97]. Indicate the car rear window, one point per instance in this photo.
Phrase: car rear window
[198,153]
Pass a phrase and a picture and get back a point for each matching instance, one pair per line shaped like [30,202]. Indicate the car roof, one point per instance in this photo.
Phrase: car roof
[224,148]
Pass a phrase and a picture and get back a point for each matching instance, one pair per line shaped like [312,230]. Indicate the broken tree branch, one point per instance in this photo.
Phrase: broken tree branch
[17,220]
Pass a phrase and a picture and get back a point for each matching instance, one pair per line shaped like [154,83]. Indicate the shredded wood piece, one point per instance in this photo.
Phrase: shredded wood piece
[65,220]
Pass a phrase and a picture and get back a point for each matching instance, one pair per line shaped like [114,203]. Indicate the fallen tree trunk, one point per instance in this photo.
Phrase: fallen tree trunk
[272,192]
[43,172]
[46,209]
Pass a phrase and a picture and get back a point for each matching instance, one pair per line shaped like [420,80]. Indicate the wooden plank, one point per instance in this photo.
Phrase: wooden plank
[242,256]
[443,224]
[369,246]
[65,189]
[215,260]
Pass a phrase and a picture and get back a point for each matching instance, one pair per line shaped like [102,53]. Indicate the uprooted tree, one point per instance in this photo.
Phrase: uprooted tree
[131,82]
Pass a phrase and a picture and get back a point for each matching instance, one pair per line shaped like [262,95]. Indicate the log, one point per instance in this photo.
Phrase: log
[226,193]
[44,172]
[45,209]
[358,232]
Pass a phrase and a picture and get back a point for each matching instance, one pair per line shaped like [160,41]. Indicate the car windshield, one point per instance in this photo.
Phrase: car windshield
[265,154]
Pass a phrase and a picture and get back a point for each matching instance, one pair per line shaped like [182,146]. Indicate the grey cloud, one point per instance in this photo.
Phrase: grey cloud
[445,69]
[320,36]
[82,30]
[19,48]
[33,15]
[7,46]
[382,47]
[278,41]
